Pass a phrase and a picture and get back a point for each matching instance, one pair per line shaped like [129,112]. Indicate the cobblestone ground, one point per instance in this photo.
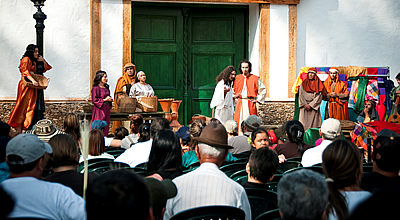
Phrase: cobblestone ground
[272,113]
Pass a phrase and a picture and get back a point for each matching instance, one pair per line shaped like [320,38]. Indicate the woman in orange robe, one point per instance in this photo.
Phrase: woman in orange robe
[23,111]
[123,87]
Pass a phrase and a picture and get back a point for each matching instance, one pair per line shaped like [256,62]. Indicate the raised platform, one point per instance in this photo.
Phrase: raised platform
[120,116]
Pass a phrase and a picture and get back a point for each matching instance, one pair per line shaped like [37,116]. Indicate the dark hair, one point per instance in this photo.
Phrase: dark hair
[144,132]
[341,161]
[258,131]
[214,120]
[4,129]
[295,132]
[120,133]
[388,149]
[136,121]
[98,77]
[96,142]
[119,190]
[195,130]
[20,168]
[240,65]
[65,151]
[398,76]
[224,75]
[72,126]
[30,50]
[157,125]
[165,152]
[263,164]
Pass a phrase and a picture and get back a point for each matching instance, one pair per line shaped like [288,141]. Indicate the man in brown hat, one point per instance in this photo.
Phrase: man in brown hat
[207,185]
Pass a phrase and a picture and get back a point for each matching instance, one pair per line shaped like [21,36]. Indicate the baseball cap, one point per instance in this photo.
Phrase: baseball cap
[331,127]
[231,126]
[160,192]
[183,133]
[27,146]
[253,122]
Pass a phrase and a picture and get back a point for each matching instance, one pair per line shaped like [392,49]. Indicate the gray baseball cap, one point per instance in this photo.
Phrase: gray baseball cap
[27,146]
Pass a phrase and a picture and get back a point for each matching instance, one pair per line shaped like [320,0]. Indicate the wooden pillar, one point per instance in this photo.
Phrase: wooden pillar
[292,48]
[126,32]
[264,25]
[95,38]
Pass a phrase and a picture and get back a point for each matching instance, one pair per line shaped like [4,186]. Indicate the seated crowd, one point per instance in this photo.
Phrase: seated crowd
[42,171]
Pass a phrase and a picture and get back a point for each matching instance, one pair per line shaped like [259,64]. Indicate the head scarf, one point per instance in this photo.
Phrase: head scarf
[128,79]
[313,85]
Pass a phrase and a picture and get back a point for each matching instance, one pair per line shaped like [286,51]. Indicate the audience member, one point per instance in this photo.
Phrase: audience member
[386,166]
[342,165]
[165,156]
[7,204]
[144,132]
[160,191]
[132,138]
[231,127]
[259,139]
[209,184]
[303,194]
[263,164]
[139,153]
[241,143]
[108,141]
[119,134]
[33,197]
[295,146]
[118,194]
[369,113]
[190,157]
[72,127]
[44,129]
[6,133]
[329,131]
[63,162]
[97,148]
[183,135]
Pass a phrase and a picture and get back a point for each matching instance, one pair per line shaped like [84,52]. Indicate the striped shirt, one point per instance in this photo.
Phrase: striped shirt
[206,186]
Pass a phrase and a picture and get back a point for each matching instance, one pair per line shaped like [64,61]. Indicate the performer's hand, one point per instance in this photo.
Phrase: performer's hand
[307,107]
[227,90]
[40,58]
[35,83]
[253,100]
[332,94]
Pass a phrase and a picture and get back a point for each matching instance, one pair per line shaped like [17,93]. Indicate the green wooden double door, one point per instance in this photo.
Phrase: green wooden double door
[182,49]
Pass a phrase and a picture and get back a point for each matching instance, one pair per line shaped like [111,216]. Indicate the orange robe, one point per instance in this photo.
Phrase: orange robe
[22,113]
[252,88]
[337,105]
[122,83]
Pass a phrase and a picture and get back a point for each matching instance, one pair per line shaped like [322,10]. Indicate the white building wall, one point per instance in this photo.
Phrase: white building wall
[254,42]
[349,32]
[111,40]
[66,46]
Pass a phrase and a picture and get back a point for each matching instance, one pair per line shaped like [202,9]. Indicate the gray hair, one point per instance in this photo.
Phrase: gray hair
[210,150]
[302,194]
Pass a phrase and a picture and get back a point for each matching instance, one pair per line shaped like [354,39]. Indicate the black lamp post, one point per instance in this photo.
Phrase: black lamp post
[39,16]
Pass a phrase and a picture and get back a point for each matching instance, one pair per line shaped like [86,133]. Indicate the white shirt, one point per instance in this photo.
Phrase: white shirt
[205,186]
[40,199]
[137,154]
[141,90]
[353,199]
[129,140]
[313,155]
[223,103]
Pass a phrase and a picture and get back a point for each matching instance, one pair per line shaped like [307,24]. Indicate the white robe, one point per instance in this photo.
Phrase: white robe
[223,105]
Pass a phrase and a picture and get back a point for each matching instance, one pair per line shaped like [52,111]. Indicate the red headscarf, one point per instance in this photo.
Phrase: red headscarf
[314,85]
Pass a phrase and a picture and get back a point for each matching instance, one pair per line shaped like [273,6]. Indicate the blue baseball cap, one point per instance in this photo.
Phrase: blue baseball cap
[27,146]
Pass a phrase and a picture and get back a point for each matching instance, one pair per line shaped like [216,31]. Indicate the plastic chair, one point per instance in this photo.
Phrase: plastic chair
[106,166]
[298,159]
[287,165]
[239,173]
[115,151]
[93,163]
[233,167]
[245,154]
[211,212]
[269,215]
[261,200]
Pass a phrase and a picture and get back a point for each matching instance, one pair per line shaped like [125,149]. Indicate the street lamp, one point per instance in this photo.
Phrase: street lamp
[39,16]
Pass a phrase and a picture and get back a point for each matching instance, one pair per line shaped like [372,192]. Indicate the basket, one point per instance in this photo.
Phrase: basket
[148,104]
[43,81]
[127,105]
